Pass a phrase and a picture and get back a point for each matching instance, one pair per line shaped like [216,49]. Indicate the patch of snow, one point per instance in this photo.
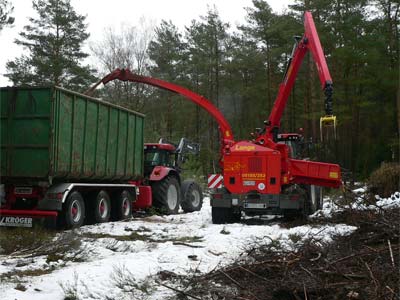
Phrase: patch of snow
[361,190]
[391,202]
[143,247]
[329,206]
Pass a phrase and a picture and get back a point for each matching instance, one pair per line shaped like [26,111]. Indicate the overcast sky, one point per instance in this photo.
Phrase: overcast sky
[105,13]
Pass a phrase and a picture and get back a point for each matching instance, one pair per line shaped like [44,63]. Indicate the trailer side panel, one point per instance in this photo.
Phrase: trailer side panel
[58,134]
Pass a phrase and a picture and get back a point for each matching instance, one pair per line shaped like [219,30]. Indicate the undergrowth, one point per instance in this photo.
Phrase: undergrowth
[19,239]
[363,265]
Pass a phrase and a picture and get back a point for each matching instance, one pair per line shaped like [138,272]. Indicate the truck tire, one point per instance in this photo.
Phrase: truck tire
[102,207]
[192,196]
[73,214]
[167,195]
[224,215]
[123,206]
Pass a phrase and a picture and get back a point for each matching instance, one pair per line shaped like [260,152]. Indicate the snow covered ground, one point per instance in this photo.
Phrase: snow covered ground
[118,260]
[329,206]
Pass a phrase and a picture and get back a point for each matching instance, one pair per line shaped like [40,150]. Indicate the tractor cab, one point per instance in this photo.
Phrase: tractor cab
[158,155]
[162,172]
[167,154]
[295,141]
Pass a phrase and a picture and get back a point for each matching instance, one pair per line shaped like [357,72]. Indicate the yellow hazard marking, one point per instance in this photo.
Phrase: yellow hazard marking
[285,179]
[244,148]
[333,175]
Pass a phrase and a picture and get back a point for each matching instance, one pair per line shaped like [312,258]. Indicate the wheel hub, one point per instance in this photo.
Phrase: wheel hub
[103,209]
[125,206]
[76,211]
[172,197]
[195,198]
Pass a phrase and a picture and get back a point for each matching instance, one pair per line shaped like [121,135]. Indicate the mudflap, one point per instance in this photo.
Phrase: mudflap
[27,218]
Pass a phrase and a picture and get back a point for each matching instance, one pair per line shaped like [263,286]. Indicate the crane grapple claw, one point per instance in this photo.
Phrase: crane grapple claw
[326,122]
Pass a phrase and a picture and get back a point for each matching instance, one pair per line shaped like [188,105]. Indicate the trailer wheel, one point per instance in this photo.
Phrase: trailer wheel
[192,196]
[224,215]
[102,207]
[167,195]
[73,211]
[123,208]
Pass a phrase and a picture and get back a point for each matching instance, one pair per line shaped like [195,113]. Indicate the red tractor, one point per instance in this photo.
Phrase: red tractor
[162,169]
[265,175]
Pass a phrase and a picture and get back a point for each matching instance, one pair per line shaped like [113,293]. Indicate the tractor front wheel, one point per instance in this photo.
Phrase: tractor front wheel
[167,195]
[192,196]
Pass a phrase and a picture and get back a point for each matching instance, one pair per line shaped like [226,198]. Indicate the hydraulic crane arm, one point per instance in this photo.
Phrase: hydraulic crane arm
[127,75]
[309,42]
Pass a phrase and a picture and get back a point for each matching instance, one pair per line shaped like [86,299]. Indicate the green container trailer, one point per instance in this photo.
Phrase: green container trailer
[71,159]
[68,156]
[52,134]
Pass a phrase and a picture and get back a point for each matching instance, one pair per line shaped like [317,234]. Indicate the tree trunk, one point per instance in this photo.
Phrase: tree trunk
[269,80]
[398,118]
[169,120]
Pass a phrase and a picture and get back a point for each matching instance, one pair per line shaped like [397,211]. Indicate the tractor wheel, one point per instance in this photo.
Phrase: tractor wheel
[192,196]
[102,207]
[167,195]
[123,206]
[73,213]
[224,215]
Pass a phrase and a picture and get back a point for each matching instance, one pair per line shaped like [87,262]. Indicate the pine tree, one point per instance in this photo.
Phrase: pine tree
[54,40]
[272,34]
[207,42]
[245,84]
[6,10]
[167,53]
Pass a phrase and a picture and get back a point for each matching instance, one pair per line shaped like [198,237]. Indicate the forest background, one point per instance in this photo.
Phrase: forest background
[239,70]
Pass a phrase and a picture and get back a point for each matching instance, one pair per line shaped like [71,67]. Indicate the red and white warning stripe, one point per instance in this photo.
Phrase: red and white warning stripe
[215,181]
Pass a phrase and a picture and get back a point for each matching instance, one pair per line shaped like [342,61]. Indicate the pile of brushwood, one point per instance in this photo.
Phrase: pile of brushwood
[362,265]
[385,180]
